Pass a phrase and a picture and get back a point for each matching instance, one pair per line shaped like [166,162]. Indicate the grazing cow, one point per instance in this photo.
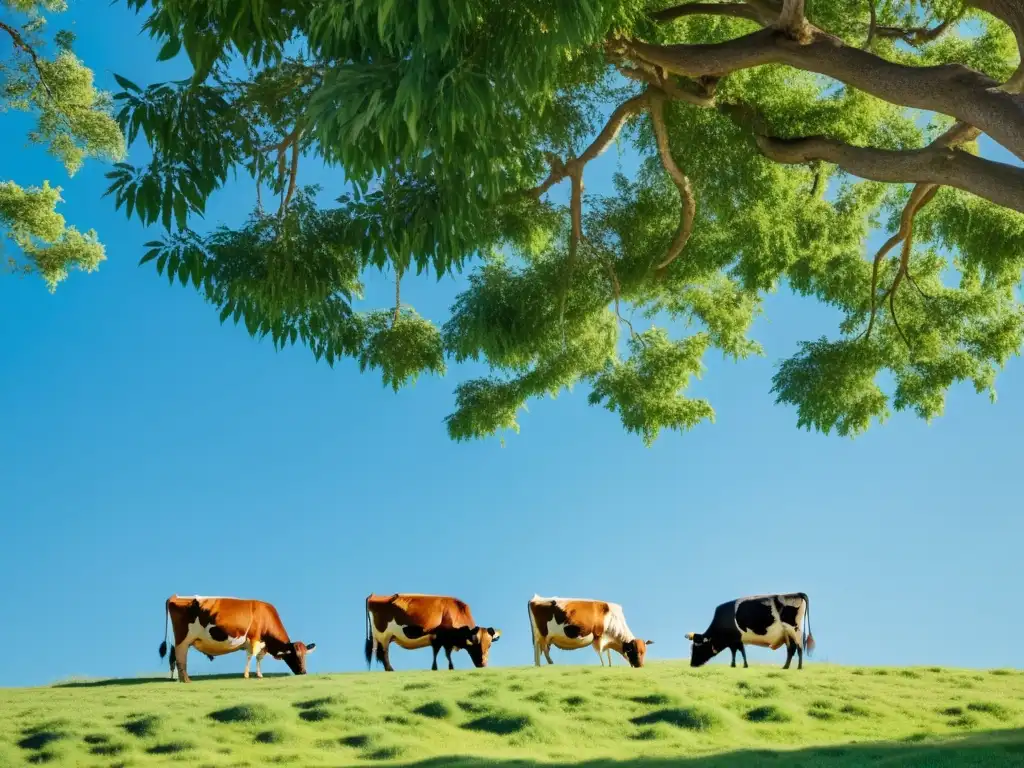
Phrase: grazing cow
[218,625]
[416,621]
[572,624]
[770,621]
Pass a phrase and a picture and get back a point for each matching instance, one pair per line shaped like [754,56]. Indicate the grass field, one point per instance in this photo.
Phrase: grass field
[665,714]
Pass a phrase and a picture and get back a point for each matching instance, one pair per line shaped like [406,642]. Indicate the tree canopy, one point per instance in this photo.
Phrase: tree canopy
[73,121]
[774,136]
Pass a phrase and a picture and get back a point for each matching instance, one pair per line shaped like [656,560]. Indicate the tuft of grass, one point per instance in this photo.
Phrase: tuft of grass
[142,726]
[269,737]
[769,713]
[753,691]
[998,711]
[690,718]
[170,748]
[438,710]
[316,703]
[246,714]
[315,715]
[500,723]
[40,738]
[652,700]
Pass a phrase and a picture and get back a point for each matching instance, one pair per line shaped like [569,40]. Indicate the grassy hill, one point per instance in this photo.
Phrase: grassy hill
[666,714]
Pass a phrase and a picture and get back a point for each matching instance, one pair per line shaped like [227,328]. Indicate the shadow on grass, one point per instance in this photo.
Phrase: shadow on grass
[164,679]
[991,749]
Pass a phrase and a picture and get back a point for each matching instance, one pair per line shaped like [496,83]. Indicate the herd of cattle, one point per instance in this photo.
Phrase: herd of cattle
[219,625]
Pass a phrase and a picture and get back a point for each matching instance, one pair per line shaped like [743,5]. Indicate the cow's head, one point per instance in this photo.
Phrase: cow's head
[635,650]
[477,642]
[294,655]
[703,649]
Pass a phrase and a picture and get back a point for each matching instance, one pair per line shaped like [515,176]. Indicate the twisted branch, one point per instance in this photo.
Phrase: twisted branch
[688,203]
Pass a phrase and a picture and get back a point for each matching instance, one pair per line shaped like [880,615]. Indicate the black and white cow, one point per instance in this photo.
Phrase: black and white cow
[766,620]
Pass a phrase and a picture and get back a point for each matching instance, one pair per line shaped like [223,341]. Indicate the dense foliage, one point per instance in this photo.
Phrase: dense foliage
[774,136]
[72,120]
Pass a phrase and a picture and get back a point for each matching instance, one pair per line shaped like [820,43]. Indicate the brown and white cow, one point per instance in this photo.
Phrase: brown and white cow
[219,625]
[570,624]
[417,621]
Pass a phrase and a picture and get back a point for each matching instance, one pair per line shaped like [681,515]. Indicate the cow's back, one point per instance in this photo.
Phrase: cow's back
[427,612]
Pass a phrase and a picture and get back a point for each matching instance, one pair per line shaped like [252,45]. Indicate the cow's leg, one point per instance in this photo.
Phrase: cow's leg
[799,655]
[171,658]
[743,650]
[386,656]
[536,651]
[608,651]
[790,650]
[547,652]
[600,650]
[448,655]
[259,662]
[248,661]
[435,646]
[181,659]
[733,649]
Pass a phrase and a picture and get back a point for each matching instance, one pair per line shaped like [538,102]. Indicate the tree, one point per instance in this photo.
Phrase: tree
[73,122]
[774,136]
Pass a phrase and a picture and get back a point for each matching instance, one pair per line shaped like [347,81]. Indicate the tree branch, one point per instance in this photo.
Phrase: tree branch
[997,182]
[688,204]
[950,89]
[559,169]
[792,22]
[398,296]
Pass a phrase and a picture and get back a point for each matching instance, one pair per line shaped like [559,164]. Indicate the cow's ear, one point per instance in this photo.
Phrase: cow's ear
[649,642]
[689,636]
[494,633]
[311,647]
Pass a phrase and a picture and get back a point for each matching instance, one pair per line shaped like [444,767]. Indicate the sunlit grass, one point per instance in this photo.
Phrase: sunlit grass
[662,715]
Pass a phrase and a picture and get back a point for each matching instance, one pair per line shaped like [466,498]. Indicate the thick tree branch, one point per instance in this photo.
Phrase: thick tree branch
[736,10]
[951,89]
[792,21]
[687,201]
[999,183]
[699,94]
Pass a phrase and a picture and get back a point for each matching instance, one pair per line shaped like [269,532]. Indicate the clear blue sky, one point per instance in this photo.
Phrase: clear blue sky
[146,450]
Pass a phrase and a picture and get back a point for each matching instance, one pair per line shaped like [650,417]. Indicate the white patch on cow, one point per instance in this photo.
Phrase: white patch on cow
[615,632]
[199,637]
[779,633]
[396,632]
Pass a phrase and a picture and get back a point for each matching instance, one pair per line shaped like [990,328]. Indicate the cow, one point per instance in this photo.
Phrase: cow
[218,625]
[770,621]
[417,621]
[572,624]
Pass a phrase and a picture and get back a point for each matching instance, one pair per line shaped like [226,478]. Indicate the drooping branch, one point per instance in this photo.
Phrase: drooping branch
[921,195]
[997,182]
[398,296]
[560,169]
[688,205]
[950,89]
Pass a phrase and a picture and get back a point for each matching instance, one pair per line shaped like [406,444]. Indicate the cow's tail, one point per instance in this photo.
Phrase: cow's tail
[808,635]
[167,615]
[369,636]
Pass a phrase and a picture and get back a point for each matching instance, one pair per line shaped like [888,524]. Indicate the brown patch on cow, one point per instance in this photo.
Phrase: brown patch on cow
[419,614]
[578,618]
